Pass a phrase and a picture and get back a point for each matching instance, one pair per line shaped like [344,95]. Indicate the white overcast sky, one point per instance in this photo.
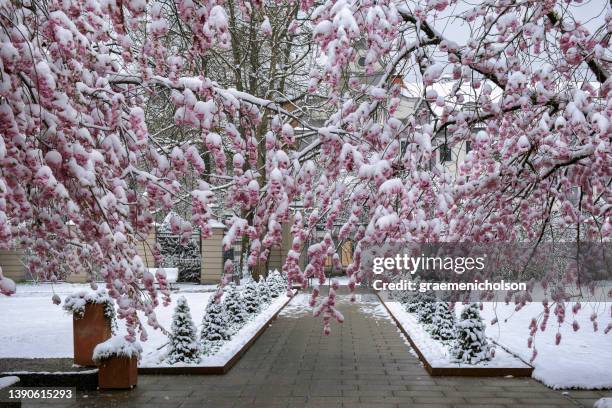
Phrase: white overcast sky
[590,13]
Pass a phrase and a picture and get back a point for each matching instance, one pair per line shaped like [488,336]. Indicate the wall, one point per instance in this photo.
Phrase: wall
[144,250]
[212,257]
[12,267]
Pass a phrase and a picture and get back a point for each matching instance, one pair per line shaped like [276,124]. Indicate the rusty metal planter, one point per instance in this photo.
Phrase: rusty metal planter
[88,331]
[118,373]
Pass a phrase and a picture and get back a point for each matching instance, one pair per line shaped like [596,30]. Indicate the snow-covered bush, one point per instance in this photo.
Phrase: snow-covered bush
[263,290]
[276,283]
[423,305]
[471,345]
[234,307]
[413,304]
[442,325]
[184,346]
[603,403]
[250,296]
[116,346]
[403,296]
[426,311]
[215,327]
[75,304]
[7,286]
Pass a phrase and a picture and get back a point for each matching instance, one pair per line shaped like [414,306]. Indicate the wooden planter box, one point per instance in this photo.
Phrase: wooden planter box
[88,331]
[118,373]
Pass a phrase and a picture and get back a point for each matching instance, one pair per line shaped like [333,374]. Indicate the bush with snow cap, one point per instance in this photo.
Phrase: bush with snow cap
[442,325]
[184,346]
[7,286]
[471,345]
[75,304]
[215,327]
[116,346]
[426,310]
[416,302]
[264,291]
[234,307]
[250,295]
[276,283]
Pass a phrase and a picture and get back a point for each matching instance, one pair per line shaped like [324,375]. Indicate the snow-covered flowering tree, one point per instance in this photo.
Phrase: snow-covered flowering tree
[215,327]
[471,345]
[235,307]
[443,322]
[184,345]
[251,298]
[86,163]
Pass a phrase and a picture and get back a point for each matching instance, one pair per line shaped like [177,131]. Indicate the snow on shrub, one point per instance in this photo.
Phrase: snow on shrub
[75,304]
[116,346]
[442,322]
[276,283]
[7,286]
[414,302]
[184,346]
[471,345]
[402,296]
[234,307]
[215,327]
[250,295]
[603,403]
[426,308]
[263,290]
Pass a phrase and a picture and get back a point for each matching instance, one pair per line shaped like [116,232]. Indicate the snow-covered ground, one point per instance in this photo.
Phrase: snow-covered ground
[582,360]
[342,281]
[32,327]
[603,403]
[298,307]
[436,353]
[9,381]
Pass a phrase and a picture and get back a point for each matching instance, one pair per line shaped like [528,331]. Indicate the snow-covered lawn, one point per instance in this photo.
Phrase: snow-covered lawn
[436,353]
[32,327]
[603,403]
[582,360]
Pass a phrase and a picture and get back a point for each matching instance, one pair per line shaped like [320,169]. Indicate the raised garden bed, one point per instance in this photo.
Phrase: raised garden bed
[227,356]
[434,355]
[49,372]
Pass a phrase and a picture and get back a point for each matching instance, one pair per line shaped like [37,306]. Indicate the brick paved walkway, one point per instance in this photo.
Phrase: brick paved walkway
[364,362]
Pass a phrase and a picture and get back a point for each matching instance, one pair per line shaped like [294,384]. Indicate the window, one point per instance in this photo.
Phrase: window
[445,153]
[361,61]
[468,146]
[403,146]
